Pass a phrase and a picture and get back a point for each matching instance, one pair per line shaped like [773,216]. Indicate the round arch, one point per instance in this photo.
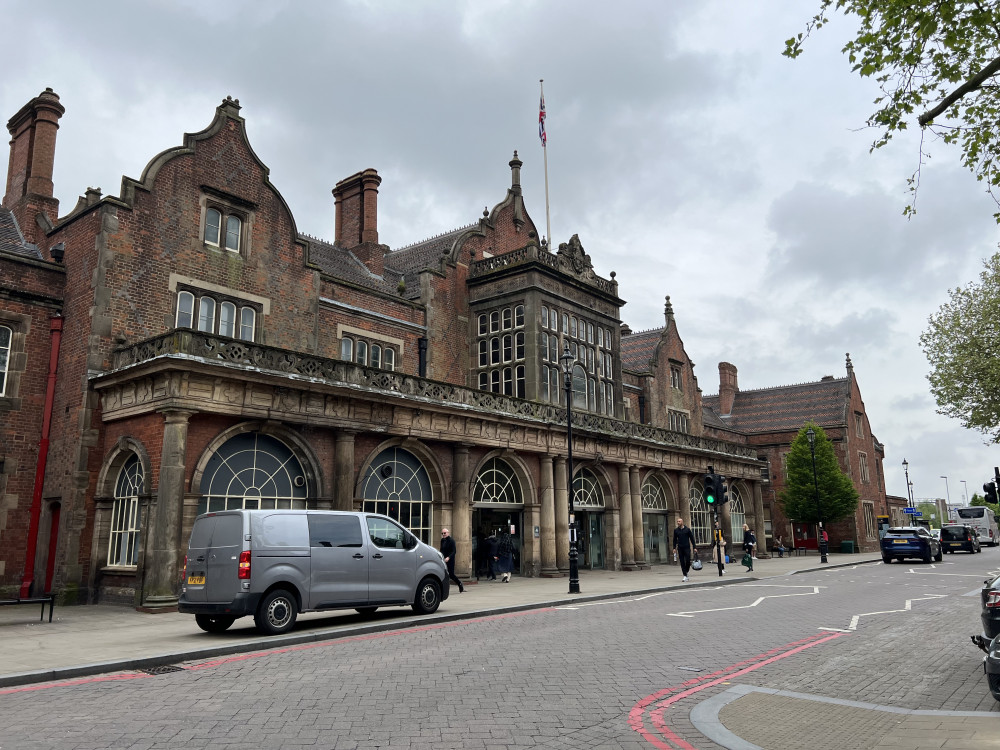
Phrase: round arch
[115,459]
[660,495]
[517,468]
[599,480]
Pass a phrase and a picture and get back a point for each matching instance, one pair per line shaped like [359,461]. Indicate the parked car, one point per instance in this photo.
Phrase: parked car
[273,564]
[956,537]
[901,542]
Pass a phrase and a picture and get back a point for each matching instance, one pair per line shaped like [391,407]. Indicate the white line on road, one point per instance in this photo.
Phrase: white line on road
[906,608]
[692,612]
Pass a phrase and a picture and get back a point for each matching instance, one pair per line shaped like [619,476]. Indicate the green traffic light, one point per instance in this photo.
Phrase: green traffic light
[710,499]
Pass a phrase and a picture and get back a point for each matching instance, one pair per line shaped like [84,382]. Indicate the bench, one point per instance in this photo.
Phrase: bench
[49,599]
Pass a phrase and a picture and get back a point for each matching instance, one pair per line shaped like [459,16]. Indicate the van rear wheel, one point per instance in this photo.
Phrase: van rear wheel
[428,597]
[214,623]
[276,613]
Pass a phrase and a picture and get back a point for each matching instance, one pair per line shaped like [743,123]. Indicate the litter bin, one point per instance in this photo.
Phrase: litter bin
[847,546]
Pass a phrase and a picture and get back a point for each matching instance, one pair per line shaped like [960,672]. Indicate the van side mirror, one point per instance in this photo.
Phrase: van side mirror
[411,541]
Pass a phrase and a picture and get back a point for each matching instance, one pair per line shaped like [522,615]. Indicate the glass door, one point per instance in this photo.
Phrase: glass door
[595,544]
[654,534]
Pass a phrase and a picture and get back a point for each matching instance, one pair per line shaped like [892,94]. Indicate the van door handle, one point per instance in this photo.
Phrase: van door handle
[358,556]
[201,558]
[377,556]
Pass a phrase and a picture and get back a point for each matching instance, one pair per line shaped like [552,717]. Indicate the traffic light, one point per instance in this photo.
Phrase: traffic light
[990,488]
[721,489]
[712,486]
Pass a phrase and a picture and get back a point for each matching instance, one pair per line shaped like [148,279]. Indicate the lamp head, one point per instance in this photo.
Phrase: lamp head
[566,361]
[811,435]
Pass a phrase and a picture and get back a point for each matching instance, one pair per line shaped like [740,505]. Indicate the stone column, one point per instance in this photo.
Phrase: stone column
[343,460]
[461,514]
[637,542]
[562,516]
[684,497]
[759,528]
[548,520]
[627,532]
[162,586]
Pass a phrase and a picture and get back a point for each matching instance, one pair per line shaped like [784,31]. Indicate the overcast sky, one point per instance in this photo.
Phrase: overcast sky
[684,150]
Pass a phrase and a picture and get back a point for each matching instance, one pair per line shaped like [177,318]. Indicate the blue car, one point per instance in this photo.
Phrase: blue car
[910,541]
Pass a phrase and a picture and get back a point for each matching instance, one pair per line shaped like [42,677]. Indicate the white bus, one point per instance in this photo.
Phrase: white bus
[983,520]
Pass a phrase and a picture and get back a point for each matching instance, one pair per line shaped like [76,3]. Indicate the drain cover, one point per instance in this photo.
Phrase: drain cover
[164,669]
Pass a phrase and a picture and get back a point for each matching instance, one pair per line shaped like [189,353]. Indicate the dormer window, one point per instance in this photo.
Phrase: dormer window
[223,230]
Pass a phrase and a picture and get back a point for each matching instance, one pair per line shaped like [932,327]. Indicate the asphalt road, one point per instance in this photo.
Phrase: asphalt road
[621,673]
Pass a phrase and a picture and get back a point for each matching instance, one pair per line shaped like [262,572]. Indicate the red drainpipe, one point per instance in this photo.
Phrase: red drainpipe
[55,329]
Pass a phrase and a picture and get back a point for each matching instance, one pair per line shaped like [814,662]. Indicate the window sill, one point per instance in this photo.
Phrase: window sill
[119,570]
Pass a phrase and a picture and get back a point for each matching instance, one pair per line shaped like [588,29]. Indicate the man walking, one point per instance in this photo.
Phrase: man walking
[683,544]
[448,550]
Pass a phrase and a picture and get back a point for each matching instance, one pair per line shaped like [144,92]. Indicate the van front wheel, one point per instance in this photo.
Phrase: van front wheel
[428,597]
[276,613]
[214,623]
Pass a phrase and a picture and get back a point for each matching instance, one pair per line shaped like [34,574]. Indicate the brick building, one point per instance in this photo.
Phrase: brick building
[182,346]
[770,419]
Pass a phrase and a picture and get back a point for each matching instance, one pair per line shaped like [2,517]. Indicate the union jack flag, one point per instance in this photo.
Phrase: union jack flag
[541,120]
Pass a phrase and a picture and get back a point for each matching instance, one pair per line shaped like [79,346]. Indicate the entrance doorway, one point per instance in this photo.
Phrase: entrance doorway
[654,534]
[489,521]
[590,539]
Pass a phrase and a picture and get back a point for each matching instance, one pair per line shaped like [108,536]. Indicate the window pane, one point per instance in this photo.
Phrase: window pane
[572,327]
[495,381]
[233,225]
[362,353]
[519,316]
[185,310]
[483,326]
[519,381]
[347,349]
[506,318]
[508,381]
[206,314]
[213,224]
[545,317]
[376,355]
[495,350]
[600,337]
[519,345]
[592,394]
[545,348]
[5,337]
[554,348]
[508,345]
[248,323]
[484,353]
[390,359]
[565,323]
[494,322]
[544,392]
[484,381]
[227,319]
[590,333]
[553,318]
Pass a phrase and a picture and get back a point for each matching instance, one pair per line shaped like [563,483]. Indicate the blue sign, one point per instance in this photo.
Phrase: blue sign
[911,511]
[918,514]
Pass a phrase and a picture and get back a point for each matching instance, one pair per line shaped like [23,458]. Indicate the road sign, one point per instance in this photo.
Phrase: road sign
[918,514]
[911,511]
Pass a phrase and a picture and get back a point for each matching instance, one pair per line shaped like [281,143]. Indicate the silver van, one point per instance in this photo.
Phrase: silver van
[273,564]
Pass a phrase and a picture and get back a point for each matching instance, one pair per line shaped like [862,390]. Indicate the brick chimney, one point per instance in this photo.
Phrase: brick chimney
[32,156]
[357,218]
[728,388]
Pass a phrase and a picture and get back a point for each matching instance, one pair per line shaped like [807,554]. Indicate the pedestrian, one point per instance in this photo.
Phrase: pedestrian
[779,545]
[719,549]
[448,550]
[491,556]
[505,557]
[683,544]
[480,553]
[749,543]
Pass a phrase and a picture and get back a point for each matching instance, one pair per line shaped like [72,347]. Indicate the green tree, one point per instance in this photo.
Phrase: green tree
[837,497]
[960,345]
[936,62]
[978,499]
[929,512]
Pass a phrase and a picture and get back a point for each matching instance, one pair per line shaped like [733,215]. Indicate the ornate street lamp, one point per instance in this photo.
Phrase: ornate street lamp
[821,542]
[909,486]
[567,362]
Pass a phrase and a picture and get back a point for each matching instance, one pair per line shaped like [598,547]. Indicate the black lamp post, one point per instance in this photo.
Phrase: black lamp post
[567,361]
[909,487]
[821,542]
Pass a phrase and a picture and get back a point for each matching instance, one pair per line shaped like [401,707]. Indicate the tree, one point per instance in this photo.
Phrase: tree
[929,512]
[837,497]
[959,344]
[938,58]
[978,499]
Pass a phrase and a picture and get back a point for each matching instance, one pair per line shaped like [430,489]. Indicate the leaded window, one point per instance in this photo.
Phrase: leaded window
[497,483]
[587,492]
[737,514]
[123,546]
[701,515]
[253,470]
[653,496]
[397,485]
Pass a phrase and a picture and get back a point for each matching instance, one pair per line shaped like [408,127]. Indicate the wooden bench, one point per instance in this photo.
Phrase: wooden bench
[49,599]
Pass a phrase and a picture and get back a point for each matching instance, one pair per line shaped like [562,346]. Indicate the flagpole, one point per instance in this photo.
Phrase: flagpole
[545,155]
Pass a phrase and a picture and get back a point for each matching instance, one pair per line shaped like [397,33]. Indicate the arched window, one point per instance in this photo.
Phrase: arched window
[227,319]
[545,347]
[701,516]
[497,483]
[253,470]
[587,492]
[519,381]
[737,514]
[376,357]
[508,381]
[123,546]
[494,321]
[213,226]
[519,345]
[653,496]
[248,322]
[483,325]
[185,310]
[519,316]
[507,318]
[347,349]
[233,228]
[361,353]
[508,347]
[389,358]
[397,485]
[206,314]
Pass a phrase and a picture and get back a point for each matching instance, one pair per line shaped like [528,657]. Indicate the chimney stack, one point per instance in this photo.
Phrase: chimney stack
[32,157]
[728,388]
[356,200]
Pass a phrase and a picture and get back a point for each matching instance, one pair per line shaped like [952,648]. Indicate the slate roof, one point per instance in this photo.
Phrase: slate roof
[638,349]
[788,407]
[11,239]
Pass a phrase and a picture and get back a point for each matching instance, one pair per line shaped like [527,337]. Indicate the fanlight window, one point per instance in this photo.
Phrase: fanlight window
[497,483]
[587,492]
[123,547]
[653,496]
[253,470]
[397,485]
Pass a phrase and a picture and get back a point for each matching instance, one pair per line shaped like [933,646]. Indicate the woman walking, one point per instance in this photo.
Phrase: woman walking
[505,557]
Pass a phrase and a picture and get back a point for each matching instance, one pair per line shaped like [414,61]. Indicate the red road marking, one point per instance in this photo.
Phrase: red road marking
[692,686]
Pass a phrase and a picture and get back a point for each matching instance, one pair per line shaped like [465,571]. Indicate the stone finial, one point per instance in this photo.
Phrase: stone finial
[850,365]
[668,309]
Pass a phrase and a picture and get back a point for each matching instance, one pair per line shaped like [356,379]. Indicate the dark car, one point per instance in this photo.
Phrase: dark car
[991,607]
[910,541]
[956,537]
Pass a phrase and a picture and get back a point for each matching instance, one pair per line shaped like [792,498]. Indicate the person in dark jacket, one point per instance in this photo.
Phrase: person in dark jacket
[749,543]
[448,550]
[683,544]
[491,556]
[505,557]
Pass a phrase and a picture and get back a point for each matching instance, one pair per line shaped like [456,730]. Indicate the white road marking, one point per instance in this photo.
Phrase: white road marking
[693,612]
[906,608]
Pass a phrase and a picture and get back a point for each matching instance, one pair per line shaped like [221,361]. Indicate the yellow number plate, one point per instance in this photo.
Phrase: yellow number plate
[196,580]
